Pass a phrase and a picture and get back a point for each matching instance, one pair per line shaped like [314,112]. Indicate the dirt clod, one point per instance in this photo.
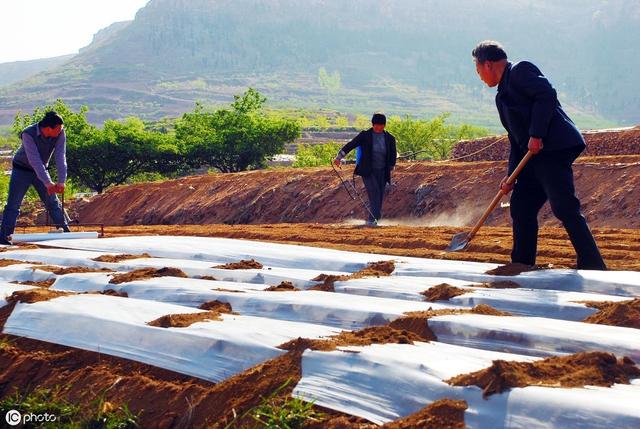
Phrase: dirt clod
[441,414]
[44,283]
[35,295]
[242,265]
[505,284]
[119,258]
[60,271]
[624,313]
[284,286]
[442,292]
[147,273]
[373,269]
[577,370]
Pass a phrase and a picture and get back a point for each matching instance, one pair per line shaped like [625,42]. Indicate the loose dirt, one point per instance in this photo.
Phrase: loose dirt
[506,284]
[111,292]
[577,370]
[624,313]
[18,246]
[147,273]
[119,258]
[44,283]
[242,265]
[71,270]
[442,414]
[418,321]
[213,311]
[284,286]
[35,295]
[513,269]
[7,262]
[443,292]
[373,269]
[362,337]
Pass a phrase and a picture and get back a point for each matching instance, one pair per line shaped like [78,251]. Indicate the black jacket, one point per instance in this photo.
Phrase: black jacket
[529,107]
[365,141]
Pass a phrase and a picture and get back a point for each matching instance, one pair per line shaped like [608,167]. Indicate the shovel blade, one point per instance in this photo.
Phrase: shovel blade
[458,242]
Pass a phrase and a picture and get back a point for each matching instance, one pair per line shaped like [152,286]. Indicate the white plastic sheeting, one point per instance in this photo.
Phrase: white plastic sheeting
[301,278]
[309,306]
[37,237]
[212,350]
[24,273]
[385,382]
[6,289]
[535,335]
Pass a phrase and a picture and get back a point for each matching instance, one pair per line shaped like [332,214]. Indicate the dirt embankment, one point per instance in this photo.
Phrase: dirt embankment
[599,143]
[427,194]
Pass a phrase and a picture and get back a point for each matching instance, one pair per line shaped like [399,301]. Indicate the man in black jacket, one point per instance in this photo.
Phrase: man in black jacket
[534,119]
[377,159]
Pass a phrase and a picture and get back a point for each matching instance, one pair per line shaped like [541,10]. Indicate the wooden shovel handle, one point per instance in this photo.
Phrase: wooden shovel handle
[512,178]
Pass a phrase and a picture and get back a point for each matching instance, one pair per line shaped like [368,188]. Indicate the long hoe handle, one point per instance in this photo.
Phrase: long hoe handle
[499,195]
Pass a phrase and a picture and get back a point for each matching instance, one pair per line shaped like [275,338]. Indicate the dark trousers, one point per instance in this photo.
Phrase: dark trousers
[375,186]
[19,184]
[548,176]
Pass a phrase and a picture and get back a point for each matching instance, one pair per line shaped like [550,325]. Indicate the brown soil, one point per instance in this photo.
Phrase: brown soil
[619,247]
[228,290]
[442,414]
[513,269]
[111,292]
[207,278]
[242,265]
[184,320]
[373,269]
[418,321]
[214,310]
[425,193]
[506,284]
[44,283]
[362,337]
[624,313]
[577,370]
[7,262]
[119,258]
[599,143]
[220,307]
[70,270]
[34,295]
[19,246]
[284,286]
[147,273]
[443,292]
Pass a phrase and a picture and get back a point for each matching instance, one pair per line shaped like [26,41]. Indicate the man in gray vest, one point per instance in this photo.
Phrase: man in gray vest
[39,142]
[377,160]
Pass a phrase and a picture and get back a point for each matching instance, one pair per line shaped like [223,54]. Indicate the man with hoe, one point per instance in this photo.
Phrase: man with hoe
[535,121]
[29,168]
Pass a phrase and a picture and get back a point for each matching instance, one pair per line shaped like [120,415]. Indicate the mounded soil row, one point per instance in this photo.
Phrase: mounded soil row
[426,194]
[147,273]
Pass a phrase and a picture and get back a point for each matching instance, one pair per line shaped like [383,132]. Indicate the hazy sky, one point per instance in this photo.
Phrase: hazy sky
[27,27]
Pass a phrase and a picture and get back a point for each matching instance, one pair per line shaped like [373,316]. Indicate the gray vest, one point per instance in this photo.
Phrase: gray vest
[45,148]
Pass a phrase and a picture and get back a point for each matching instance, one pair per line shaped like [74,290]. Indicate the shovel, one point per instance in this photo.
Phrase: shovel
[462,239]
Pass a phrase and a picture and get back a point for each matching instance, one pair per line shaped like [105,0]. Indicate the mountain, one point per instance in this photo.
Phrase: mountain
[19,70]
[401,56]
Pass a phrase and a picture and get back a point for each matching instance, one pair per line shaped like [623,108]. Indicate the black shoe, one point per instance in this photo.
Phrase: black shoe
[5,241]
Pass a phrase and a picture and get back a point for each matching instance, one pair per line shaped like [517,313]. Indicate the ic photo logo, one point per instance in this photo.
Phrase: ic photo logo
[13,417]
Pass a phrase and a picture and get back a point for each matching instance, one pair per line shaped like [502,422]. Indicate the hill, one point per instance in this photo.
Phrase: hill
[408,56]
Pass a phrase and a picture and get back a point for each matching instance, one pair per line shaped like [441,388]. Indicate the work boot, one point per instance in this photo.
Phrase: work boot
[5,241]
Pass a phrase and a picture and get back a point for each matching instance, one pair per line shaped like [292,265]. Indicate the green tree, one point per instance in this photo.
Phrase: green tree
[118,152]
[316,155]
[431,139]
[234,139]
